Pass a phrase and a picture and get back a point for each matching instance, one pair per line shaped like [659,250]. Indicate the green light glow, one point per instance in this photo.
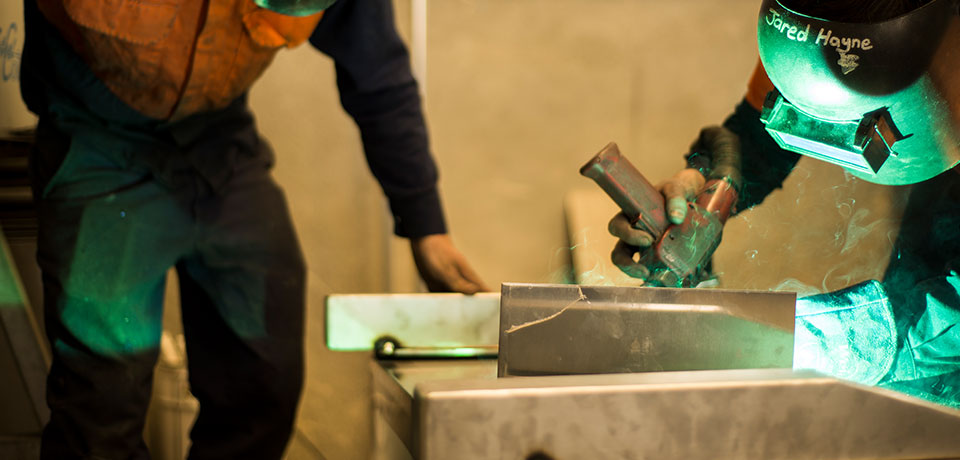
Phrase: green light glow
[295,7]
[114,269]
[850,334]
[826,93]
[465,352]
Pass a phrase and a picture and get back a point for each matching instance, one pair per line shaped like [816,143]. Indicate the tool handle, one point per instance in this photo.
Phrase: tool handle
[639,200]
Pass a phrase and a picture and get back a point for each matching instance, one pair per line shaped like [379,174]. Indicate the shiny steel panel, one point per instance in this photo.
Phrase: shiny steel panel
[355,321]
[729,414]
[568,329]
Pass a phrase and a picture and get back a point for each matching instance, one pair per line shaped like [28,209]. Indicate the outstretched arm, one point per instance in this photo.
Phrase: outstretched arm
[378,90]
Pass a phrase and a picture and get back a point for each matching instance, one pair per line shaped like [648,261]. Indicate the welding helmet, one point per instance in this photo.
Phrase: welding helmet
[881,99]
[295,7]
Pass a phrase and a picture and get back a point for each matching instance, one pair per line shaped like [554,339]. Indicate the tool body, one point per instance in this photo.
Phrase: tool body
[680,252]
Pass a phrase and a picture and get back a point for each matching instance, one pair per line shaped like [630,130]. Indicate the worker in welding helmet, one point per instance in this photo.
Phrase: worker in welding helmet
[872,87]
[147,157]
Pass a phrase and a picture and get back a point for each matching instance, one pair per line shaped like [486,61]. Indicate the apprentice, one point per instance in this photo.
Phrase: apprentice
[147,157]
[870,86]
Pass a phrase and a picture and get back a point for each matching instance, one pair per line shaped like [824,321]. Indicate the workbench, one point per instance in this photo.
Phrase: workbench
[664,396]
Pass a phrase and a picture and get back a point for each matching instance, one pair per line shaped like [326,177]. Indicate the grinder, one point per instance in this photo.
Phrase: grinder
[680,252]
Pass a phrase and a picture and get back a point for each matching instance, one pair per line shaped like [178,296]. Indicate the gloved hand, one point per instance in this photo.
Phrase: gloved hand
[716,145]
[679,189]
[443,267]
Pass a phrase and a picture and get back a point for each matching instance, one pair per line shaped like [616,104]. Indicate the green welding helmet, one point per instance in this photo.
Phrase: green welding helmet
[881,99]
[295,7]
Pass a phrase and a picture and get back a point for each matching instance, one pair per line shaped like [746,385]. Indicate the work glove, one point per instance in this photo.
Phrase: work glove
[715,154]
[444,268]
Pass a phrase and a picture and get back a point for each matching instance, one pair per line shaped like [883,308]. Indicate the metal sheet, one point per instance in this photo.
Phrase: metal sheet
[568,329]
[354,322]
[744,414]
[394,383]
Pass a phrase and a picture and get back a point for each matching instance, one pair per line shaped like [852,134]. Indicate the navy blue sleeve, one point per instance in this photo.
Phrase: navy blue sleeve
[378,90]
[764,164]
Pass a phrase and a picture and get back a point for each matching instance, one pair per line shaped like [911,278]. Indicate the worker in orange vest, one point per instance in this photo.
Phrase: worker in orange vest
[147,157]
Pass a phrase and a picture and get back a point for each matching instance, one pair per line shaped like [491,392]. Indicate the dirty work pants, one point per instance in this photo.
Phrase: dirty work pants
[114,216]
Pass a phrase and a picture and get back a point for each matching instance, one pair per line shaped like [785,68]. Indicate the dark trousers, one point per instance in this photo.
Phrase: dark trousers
[116,212]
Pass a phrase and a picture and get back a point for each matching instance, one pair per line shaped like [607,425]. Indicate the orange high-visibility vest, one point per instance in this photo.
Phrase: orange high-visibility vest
[172,58]
[758,87]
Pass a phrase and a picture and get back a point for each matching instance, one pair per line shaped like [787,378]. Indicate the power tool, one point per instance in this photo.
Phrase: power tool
[680,253]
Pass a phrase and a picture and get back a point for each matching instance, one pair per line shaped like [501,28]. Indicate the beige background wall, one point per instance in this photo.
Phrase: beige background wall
[521,93]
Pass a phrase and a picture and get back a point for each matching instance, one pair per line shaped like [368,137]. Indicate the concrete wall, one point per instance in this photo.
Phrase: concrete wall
[521,93]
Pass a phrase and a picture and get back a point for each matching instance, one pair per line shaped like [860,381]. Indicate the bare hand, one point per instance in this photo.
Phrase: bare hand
[443,267]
